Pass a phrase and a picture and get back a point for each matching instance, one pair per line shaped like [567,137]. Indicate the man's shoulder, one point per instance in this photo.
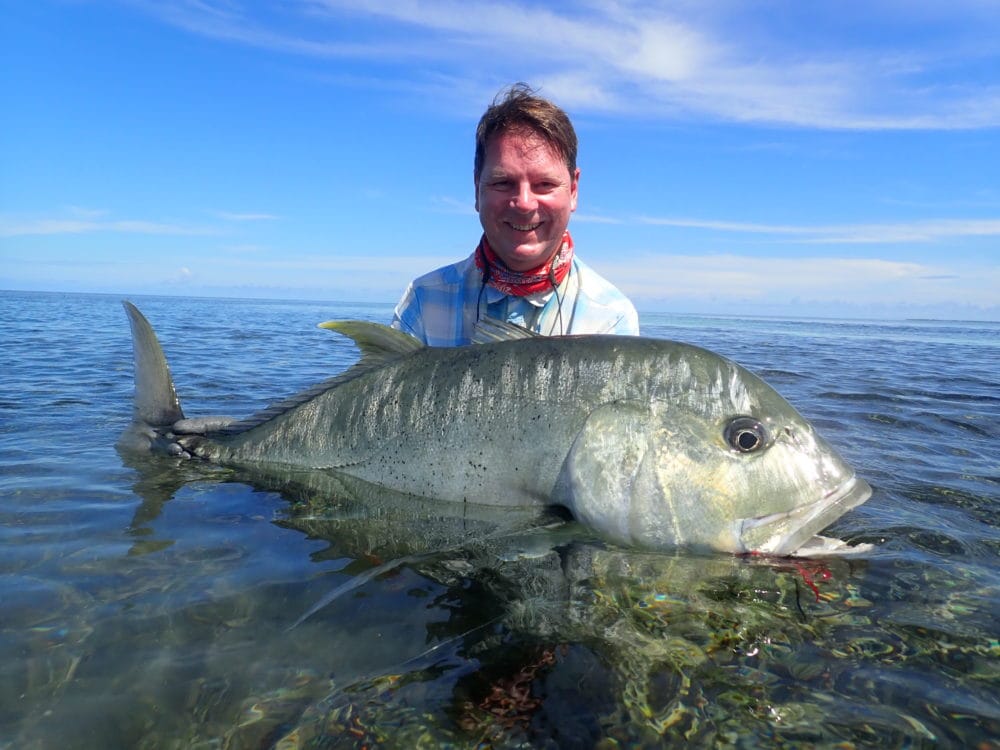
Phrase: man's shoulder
[598,289]
[432,308]
[446,277]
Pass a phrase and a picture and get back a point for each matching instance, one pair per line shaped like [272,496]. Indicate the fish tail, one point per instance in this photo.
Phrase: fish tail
[155,404]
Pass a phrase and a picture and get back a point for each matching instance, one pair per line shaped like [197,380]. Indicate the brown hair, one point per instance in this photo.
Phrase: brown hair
[518,108]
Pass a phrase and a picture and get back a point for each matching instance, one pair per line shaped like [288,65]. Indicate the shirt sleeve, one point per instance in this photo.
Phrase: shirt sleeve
[406,317]
[628,323]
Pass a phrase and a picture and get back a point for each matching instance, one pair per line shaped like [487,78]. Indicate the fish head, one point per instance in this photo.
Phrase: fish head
[721,462]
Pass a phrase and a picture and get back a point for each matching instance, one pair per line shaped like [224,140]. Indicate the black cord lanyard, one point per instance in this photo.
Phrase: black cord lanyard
[537,311]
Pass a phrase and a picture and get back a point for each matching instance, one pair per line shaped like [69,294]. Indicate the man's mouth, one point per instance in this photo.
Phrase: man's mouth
[524,227]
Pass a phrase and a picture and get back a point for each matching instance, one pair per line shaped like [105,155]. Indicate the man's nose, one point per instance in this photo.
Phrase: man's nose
[525,200]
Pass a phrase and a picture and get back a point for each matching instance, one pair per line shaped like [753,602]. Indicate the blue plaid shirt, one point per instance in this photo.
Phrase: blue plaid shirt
[441,308]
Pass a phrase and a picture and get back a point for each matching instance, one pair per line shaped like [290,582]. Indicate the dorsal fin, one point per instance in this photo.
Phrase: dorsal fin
[379,345]
[491,330]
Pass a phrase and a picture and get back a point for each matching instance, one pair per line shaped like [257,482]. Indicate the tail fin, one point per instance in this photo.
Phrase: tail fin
[156,403]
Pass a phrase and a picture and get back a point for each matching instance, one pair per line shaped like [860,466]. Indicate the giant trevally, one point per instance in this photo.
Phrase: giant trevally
[650,443]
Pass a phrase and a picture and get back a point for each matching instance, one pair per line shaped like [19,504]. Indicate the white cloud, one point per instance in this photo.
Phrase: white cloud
[448,205]
[89,221]
[886,233]
[402,266]
[778,281]
[725,61]
[11,227]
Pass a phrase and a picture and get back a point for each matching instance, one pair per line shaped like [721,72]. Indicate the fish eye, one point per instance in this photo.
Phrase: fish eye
[747,435]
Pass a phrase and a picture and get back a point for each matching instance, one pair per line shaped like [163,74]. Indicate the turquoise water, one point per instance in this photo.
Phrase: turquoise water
[167,604]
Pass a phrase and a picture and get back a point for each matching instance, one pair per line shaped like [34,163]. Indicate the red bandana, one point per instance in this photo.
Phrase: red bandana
[523,283]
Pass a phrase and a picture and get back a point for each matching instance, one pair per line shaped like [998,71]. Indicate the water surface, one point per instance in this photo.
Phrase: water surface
[167,604]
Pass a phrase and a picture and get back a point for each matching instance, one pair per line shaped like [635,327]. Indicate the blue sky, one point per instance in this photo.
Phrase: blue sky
[830,159]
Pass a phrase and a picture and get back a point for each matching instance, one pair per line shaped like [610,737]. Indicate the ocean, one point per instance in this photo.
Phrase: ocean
[166,604]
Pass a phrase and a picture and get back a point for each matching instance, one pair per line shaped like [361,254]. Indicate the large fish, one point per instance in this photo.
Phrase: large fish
[650,443]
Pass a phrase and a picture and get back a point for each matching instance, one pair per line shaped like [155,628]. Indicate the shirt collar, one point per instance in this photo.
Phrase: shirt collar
[539,299]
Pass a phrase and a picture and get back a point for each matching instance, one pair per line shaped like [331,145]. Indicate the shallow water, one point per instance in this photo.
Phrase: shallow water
[165,604]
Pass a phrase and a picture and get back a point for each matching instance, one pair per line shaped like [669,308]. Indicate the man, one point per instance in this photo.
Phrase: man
[524,270]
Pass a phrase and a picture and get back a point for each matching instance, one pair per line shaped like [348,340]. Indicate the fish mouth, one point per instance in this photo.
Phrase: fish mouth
[783,533]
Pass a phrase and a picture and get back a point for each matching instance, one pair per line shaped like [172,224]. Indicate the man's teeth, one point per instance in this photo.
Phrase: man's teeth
[525,227]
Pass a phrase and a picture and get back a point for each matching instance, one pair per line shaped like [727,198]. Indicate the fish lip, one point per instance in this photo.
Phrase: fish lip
[811,519]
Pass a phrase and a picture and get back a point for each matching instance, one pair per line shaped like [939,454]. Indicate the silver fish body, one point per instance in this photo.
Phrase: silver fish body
[651,443]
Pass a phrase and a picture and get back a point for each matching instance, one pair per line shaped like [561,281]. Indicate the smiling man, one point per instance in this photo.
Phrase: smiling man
[524,270]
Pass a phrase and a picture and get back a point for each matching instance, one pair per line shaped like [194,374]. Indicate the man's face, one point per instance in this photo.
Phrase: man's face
[524,196]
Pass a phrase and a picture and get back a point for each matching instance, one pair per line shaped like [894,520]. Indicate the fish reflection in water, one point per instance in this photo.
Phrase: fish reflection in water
[523,627]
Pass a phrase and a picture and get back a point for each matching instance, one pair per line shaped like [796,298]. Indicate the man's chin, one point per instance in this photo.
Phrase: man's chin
[525,257]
